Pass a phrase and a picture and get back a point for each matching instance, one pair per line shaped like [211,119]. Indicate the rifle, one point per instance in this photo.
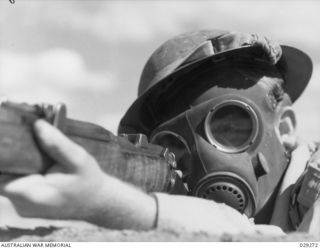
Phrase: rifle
[128,157]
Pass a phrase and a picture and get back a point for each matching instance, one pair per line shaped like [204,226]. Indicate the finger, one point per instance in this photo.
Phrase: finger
[60,148]
[33,190]
[20,188]
[31,196]
[4,180]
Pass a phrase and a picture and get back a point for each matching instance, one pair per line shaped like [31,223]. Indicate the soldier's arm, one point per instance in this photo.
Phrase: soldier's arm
[76,188]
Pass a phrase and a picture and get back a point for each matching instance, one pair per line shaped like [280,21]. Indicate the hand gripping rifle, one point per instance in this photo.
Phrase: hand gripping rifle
[129,156]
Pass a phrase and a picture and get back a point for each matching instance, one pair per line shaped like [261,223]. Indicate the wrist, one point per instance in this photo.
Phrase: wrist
[119,205]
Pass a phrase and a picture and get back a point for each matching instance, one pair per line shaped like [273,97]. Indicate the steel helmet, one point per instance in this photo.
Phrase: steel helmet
[189,52]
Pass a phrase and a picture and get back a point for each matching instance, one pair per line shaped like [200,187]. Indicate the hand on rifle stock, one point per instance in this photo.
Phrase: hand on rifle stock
[61,190]
[75,188]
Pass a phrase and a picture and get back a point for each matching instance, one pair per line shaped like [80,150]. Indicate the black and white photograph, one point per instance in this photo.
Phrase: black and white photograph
[159,121]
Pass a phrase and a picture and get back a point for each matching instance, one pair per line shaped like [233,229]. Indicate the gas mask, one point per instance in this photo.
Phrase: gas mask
[228,146]
[202,95]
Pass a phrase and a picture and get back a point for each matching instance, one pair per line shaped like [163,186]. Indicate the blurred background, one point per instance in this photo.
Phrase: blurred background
[89,54]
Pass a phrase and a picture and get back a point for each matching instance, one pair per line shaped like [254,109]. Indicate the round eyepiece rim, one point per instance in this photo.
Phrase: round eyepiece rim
[251,138]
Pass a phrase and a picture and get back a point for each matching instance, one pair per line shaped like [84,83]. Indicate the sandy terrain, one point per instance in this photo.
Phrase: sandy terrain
[15,228]
[92,234]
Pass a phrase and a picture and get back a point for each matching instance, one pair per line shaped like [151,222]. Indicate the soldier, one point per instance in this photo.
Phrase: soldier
[221,101]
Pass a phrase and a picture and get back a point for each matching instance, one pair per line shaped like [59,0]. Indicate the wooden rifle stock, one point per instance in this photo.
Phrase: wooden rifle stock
[129,157]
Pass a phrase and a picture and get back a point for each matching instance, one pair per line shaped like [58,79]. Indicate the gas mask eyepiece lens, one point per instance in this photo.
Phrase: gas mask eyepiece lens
[231,126]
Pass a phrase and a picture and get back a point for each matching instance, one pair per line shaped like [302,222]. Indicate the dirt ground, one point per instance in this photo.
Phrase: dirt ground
[81,232]
[15,228]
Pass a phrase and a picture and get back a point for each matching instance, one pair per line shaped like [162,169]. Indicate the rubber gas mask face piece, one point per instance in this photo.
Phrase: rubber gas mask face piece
[228,146]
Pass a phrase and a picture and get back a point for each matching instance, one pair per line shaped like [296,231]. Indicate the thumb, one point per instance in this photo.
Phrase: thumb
[60,148]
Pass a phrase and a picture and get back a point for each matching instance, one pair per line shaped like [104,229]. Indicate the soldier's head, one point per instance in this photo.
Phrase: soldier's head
[221,101]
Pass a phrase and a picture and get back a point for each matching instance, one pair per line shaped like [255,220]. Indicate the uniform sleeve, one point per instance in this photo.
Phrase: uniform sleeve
[192,214]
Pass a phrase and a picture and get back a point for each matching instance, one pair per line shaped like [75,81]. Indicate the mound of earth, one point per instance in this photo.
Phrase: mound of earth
[15,228]
[81,232]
